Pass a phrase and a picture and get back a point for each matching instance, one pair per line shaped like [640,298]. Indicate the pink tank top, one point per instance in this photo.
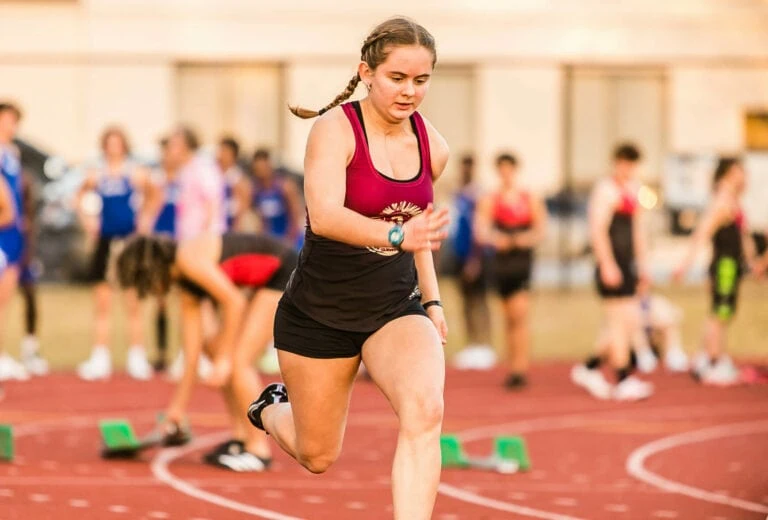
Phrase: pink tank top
[375,195]
[201,191]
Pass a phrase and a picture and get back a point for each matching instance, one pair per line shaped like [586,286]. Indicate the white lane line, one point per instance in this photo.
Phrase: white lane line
[161,472]
[577,420]
[561,422]
[499,505]
[635,465]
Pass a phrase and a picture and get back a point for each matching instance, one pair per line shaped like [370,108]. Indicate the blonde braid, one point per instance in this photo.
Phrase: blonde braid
[309,114]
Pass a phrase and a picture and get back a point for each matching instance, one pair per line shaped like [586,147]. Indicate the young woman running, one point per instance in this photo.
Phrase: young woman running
[355,294]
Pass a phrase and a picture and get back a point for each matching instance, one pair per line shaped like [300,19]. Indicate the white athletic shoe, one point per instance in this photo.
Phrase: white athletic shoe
[35,364]
[204,367]
[269,363]
[723,373]
[646,360]
[176,370]
[98,366]
[676,360]
[137,365]
[10,369]
[475,357]
[593,381]
[632,389]
[699,363]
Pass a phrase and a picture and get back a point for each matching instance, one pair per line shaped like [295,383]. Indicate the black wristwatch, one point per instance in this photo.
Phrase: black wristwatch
[396,236]
[430,303]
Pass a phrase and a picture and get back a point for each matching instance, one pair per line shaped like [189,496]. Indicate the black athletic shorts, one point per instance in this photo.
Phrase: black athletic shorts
[724,277]
[508,285]
[298,333]
[512,272]
[626,289]
[104,258]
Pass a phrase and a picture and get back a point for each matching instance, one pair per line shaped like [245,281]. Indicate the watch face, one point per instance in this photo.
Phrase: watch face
[396,236]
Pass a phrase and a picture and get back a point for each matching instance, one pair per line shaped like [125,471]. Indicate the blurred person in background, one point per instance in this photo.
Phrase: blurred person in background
[30,344]
[733,255]
[512,221]
[237,189]
[11,229]
[218,268]
[276,201]
[126,191]
[200,209]
[619,246]
[470,269]
[166,178]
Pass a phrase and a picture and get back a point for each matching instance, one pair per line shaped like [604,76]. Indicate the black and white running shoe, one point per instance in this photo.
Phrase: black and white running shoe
[231,455]
[272,394]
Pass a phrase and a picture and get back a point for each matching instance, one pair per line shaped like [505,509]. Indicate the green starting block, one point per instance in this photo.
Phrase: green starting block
[118,435]
[6,442]
[509,455]
[120,440]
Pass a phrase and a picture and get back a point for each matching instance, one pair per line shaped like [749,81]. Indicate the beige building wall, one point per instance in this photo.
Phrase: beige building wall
[66,106]
[707,105]
[519,110]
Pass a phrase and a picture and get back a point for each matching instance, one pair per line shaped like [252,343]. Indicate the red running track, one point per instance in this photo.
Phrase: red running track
[689,452]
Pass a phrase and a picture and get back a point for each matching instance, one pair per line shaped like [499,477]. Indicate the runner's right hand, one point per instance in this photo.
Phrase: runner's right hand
[426,230]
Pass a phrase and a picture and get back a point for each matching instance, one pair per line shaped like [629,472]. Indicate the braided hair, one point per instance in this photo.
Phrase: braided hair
[376,47]
[145,264]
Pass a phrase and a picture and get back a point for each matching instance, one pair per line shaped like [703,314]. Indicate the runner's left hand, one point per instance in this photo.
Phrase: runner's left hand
[436,314]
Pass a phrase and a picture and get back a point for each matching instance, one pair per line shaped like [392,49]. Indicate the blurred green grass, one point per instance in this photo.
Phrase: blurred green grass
[564,323]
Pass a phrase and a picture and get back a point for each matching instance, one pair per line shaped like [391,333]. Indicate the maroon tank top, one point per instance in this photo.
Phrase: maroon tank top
[360,289]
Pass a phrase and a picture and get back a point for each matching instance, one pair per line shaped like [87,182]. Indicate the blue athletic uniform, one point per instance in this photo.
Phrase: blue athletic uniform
[272,205]
[462,234]
[166,220]
[11,240]
[118,217]
[231,177]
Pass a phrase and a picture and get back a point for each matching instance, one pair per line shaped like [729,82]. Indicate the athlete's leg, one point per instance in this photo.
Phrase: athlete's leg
[245,381]
[102,294]
[9,278]
[516,310]
[406,361]
[311,427]
[134,309]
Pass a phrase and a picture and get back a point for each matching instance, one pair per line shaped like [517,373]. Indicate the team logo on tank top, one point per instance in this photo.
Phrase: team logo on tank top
[397,213]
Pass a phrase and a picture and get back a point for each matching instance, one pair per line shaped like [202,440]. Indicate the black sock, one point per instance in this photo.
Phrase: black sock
[593,362]
[623,373]
[515,380]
